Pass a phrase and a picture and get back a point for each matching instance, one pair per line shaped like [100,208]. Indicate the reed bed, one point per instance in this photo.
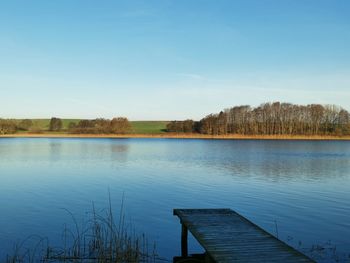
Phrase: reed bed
[104,238]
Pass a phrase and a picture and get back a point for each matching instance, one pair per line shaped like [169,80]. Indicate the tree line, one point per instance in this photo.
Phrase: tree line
[271,119]
[118,125]
[267,119]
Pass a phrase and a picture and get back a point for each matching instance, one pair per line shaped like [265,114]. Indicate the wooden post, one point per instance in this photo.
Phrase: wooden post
[184,240]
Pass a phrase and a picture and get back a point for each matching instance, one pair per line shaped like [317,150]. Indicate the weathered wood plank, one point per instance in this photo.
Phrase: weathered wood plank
[229,237]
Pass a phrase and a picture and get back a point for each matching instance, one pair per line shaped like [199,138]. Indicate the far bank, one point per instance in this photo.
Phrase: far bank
[177,136]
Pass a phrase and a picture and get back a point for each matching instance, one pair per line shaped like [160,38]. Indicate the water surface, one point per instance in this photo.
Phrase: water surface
[299,189]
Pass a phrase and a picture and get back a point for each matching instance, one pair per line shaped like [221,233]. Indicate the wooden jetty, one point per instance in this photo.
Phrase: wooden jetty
[227,236]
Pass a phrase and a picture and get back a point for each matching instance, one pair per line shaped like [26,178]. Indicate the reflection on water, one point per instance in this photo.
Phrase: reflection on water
[301,185]
[119,152]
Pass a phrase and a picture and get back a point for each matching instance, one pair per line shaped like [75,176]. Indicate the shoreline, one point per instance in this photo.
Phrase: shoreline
[180,136]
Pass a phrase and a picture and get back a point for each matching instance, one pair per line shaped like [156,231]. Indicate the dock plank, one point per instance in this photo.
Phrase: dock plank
[229,237]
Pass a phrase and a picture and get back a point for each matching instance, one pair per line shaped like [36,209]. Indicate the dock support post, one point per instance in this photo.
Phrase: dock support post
[184,240]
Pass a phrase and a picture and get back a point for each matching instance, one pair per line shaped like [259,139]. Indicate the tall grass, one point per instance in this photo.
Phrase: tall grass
[104,238]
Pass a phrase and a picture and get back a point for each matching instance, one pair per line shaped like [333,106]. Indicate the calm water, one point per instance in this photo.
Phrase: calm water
[302,187]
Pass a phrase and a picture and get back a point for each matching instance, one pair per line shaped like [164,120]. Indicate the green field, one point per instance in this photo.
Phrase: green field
[148,127]
[138,127]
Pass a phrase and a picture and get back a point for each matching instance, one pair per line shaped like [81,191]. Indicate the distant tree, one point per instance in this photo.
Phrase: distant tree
[84,126]
[208,124]
[102,126]
[170,127]
[175,126]
[188,126]
[221,123]
[71,125]
[120,125]
[344,122]
[7,126]
[55,124]
[25,125]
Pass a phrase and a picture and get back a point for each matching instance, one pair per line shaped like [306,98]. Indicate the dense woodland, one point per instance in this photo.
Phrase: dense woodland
[271,119]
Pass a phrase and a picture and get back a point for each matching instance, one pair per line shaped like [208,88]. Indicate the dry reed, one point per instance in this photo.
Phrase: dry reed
[103,239]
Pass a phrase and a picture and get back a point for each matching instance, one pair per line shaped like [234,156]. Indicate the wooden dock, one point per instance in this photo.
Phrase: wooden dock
[227,236]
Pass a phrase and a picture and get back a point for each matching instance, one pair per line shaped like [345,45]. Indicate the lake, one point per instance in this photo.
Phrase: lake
[298,189]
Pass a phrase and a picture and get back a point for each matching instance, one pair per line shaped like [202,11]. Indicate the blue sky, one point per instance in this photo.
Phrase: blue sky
[164,60]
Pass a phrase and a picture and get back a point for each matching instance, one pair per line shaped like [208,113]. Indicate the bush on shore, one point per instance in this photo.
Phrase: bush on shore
[7,126]
[117,125]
